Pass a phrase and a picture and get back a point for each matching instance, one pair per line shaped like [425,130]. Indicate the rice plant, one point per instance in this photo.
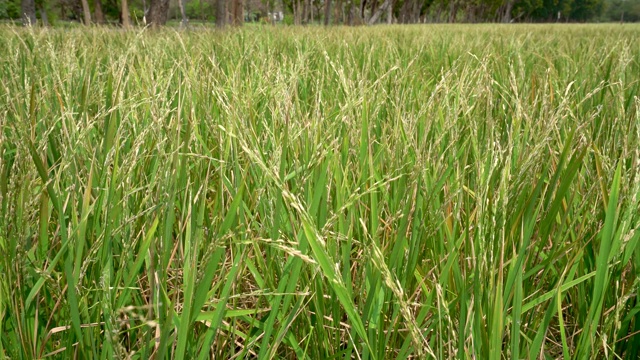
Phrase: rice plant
[465,192]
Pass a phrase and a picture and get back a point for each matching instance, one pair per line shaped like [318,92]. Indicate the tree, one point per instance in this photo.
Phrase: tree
[184,21]
[126,21]
[237,10]
[86,11]
[327,12]
[506,18]
[43,14]
[98,13]
[28,10]
[622,10]
[304,17]
[409,11]
[525,8]
[379,11]
[221,13]
[297,12]
[158,12]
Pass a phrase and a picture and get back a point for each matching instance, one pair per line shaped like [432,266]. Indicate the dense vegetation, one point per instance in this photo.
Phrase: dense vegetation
[387,192]
[351,12]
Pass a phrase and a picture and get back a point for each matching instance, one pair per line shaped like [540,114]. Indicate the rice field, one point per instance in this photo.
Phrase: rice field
[388,192]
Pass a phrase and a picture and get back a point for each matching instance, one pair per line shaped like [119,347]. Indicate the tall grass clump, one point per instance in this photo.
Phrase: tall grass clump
[464,192]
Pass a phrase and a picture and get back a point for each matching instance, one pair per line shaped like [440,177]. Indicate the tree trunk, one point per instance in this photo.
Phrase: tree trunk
[98,13]
[507,12]
[404,17]
[28,8]
[221,13]
[43,15]
[439,14]
[453,11]
[415,14]
[327,12]
[481,11]
[390,14]
[312,16]
[297,12]
[373,8]
[126,21]
[374,18]
[184,21]
[236,12]
[470,13]
[158,12]
[86,11]
[303,14]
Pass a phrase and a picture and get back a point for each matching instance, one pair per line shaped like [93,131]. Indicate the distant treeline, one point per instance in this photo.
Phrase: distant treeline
[328,12]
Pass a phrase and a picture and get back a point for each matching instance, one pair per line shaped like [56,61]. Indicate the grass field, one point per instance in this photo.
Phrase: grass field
[439,192]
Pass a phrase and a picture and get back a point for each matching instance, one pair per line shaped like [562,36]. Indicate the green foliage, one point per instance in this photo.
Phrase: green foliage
[288,19]
[195,9]
[276,192]
[627,10]
[10,9]
[111,10]
[584,10]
